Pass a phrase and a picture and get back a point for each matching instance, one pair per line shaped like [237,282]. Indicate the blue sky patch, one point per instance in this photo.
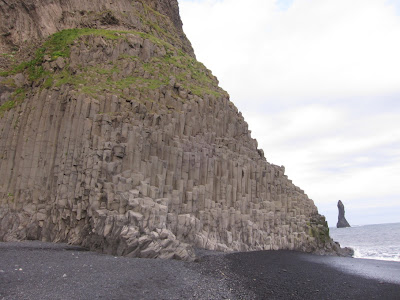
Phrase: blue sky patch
[284,4]
[396,4]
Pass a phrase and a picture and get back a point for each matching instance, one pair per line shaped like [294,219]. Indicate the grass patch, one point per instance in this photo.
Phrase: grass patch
[108,76]
[7,106]
[65,77]
[57,45]
[9,82]
[16,98]
[190,73]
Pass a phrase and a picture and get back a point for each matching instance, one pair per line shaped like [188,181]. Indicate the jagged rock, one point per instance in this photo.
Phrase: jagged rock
[123,143]
[342,222]
[33,20]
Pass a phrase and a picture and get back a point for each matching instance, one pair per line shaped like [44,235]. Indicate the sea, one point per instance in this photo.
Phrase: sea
[380,241]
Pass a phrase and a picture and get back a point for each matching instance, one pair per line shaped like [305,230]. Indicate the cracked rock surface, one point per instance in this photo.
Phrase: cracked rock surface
[113,137]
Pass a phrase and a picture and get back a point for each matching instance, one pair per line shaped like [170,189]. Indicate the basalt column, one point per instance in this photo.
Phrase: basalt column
[113,136]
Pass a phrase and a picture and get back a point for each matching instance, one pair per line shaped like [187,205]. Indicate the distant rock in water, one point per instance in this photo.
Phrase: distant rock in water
[342,222]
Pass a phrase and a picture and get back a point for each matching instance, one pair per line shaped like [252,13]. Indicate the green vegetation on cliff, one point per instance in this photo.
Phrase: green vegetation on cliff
[16,97]
[318,229]
[57,45]
[172,67]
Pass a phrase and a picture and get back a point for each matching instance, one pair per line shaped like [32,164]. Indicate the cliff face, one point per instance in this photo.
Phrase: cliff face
[114,137]
[25,22]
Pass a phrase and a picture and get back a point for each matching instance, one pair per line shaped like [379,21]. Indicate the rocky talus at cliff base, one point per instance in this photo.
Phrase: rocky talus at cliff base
[114,137]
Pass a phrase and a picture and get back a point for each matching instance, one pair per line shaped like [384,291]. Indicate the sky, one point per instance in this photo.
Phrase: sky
[318,81]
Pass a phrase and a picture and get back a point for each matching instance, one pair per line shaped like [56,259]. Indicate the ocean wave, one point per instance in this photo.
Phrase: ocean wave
[380,242]
[375,254]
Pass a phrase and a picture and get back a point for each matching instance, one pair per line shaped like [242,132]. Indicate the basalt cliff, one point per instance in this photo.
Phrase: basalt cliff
[114,137]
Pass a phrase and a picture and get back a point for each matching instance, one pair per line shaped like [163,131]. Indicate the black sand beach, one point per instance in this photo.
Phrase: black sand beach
[36,270]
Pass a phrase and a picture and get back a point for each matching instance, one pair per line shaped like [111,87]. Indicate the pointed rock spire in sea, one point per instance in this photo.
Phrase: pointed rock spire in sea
[342,222]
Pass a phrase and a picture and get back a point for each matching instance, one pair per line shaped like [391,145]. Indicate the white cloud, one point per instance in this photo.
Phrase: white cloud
[314,47]
[319,86]
[332,156]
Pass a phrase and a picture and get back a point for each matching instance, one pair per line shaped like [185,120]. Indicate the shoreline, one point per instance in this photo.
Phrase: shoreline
[38,270]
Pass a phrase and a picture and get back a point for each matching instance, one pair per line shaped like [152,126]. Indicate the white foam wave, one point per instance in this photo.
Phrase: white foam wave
[381,242]
[375,254]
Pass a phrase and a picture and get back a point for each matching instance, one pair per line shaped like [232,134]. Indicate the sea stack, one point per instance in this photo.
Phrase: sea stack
[114,137]
[342,222]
